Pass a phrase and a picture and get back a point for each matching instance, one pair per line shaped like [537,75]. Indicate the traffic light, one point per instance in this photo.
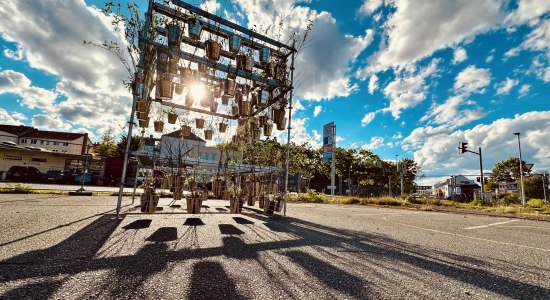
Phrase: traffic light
[478,179]
[463,147]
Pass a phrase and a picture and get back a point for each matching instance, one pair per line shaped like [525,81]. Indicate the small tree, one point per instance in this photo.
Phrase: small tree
[107,146]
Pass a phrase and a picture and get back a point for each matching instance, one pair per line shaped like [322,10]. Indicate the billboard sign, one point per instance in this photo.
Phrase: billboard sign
[328,141]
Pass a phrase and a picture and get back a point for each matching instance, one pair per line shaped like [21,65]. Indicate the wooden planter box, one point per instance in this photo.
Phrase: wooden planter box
[194,204]
[251,200]
[148,203]
[236,205]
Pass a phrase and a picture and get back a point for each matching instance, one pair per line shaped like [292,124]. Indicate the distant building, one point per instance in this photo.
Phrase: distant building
[458,185]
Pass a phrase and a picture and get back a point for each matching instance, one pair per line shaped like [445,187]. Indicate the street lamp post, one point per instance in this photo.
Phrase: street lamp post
[521,170]
[85,168]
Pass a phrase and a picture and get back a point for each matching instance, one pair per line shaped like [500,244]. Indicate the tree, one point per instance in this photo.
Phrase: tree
[107,146]
[506,170]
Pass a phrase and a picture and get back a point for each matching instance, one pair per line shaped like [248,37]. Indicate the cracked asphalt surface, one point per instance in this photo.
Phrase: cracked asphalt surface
[59,247]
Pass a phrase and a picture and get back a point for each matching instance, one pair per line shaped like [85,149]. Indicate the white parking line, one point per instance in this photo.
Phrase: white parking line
[489,225]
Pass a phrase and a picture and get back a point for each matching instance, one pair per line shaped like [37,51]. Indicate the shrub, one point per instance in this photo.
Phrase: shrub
[535,203]
[353,201]
[18,188]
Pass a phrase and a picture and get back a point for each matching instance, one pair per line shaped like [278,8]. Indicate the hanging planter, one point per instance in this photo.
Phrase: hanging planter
[229,87]
[234,110]
[185,130]
[217,91]
[143,123]
[203,68]
[189,99]
[187,76]
[208,134]
[214,106]
[262,120]
[281,124]
[280,72]
[173,66]
[268,128]
[265,54]
[263,98]
[178,88]
[142,115]
[174,35]
[245,62]
[244,108]
[162,57]
[165,87]
[222,127]
[199,123]
[255,134]
[194,28]
[270,69]
[194,203]
[172,117]
[159,126]
[225,100]
[213,49]
[279,118]
[141,105]
[234,43]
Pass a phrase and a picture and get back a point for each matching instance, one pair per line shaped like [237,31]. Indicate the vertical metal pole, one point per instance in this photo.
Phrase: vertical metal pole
[481,173]
[333,164]
[544,187]
[521,171]
[401,175]
[84,168]
[289,123]
[135,184]
[136,83]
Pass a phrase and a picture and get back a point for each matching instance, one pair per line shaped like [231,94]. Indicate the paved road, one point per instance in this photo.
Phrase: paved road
[71,248]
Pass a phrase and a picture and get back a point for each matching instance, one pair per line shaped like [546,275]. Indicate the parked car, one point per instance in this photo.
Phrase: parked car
[57,176]
[89,178]
[23,174]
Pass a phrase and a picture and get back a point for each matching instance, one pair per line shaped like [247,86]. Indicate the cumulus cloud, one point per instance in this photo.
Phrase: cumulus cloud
[420,27]
[524,89]
[537,40]
[455,112]
[504,87]
[210,6]
[9,118]
[459,55]
[375,142]
[436,147]
[472,80]
[370,6]
[317,110]
[47,122]
[528,10]
[14,54]
[367,119]
[322,68]
[13,82]
[409,88]
[373,84]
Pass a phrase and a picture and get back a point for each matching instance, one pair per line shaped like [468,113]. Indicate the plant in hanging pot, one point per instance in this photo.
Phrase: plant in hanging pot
[185,130]
[208,133]
[214,106]
[268,128]
[144,123]
[225,100]
[159,125]
[265,54]
[229,86]
[165,87]
[234,43]
[234,110]
[178,88]
[222,127]
[262,120]
[213,49]
[207,99]
[172,115]
[199,123]
[244,108]
[174,32]
[194,28]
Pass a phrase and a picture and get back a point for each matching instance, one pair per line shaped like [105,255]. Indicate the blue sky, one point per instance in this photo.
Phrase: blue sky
[399,77]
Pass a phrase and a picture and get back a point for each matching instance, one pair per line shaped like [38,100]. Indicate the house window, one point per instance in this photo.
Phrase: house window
[214,157]
[66,144]
[33,141]
[47,142]
[42,142]
[23,141]
[56,143]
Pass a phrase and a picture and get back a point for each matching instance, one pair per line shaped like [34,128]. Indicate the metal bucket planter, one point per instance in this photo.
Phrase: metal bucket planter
[236,205]
[222,127]
[141,105]
[234,44]
[174,35]
[244,108]
[265,54]
[142,115]
[199,123]
[229,87]
[165,87]
[195,29]
[185,130]
[263,99]
[245,62]
[268,128]
[225,100]
[217,90]
[234,110]
[262,120]
[214,106]
[194,203]
[159,126]
[281,124]
[144,123]
[278,115]
[208,133]
[213,50]
[172,118]
[178,88]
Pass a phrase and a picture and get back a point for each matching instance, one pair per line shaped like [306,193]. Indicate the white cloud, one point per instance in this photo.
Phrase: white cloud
[436,147]
[373,84]
[375,142]
[472,80]
[524,90]
[17,54]
[211,6]
[459,55]
[339,139]
[317,110]
[32,97]
[408,89]
[489,58]
[455,112]
[420,27]
[537,40]
[47,122]
[367,119]
[504,87]
[322,68]
[8,118]
[528,10]
[370,6]
[299,134]
[397,136]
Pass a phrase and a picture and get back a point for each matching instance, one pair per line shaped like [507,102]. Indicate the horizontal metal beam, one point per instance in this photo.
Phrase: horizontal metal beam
[193,109]
[229,24]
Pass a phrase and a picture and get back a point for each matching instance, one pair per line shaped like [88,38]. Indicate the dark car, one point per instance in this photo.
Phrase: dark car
[57,176]
[23,174]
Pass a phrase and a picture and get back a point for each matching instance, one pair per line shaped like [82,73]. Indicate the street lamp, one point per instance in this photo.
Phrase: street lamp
[521,170]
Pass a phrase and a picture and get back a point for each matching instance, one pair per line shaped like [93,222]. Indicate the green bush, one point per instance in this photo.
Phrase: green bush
[353,201]
[535,203]
[513,199]
[18,188]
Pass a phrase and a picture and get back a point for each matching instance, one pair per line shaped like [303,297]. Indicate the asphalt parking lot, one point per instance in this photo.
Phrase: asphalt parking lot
[61,247]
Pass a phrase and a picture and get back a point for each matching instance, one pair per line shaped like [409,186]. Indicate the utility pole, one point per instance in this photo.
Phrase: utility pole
[463,148]
[401,175]
[521,171]
[333,164]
